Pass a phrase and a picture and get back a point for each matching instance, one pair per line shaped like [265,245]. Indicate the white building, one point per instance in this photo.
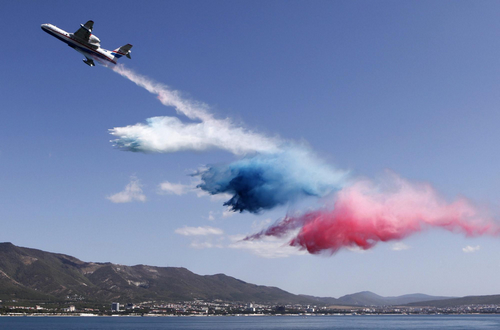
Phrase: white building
[115,307]
[69,309]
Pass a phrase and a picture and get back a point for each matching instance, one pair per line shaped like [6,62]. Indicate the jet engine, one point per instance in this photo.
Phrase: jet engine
[94,40]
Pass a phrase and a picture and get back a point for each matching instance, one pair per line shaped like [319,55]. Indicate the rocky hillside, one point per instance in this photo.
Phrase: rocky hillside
[37,275]
[43,276]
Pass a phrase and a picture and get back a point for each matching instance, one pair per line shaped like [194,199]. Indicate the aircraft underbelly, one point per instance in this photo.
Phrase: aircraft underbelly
[60,37]
[91,54]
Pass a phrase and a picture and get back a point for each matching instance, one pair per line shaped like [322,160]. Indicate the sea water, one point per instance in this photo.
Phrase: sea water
[386,322]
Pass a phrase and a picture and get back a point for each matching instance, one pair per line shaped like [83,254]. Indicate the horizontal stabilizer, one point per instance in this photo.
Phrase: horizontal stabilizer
[123,50]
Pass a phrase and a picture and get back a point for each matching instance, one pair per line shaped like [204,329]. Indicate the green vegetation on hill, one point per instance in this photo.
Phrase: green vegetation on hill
[37,275]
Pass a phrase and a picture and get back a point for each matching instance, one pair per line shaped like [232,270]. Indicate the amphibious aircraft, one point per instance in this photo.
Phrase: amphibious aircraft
[89,45]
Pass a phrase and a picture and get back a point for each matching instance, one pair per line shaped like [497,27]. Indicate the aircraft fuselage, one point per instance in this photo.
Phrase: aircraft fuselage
[81,46]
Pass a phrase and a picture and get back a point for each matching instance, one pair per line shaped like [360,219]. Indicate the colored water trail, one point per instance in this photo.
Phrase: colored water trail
[366,213]
[265,181]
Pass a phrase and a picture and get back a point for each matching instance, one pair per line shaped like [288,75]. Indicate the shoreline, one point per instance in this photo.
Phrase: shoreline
[240,315]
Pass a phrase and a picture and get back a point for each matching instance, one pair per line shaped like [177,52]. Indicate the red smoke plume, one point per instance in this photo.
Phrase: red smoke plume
[365,214]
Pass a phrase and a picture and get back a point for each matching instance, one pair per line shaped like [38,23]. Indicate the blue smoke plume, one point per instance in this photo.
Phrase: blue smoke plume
[264,181]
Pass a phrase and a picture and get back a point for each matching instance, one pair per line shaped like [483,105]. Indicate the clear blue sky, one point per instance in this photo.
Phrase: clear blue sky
[409,86]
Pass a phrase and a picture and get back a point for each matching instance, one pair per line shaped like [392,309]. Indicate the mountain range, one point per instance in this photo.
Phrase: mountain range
[36,275]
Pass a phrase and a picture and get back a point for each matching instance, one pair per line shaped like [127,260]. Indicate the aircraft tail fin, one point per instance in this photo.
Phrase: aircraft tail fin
[123,50]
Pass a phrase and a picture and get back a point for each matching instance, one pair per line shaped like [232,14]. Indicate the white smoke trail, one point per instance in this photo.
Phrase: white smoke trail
[168,97]
[170,134]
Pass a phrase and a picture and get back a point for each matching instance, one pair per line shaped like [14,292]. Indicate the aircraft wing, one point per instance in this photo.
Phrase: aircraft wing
[85,30]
